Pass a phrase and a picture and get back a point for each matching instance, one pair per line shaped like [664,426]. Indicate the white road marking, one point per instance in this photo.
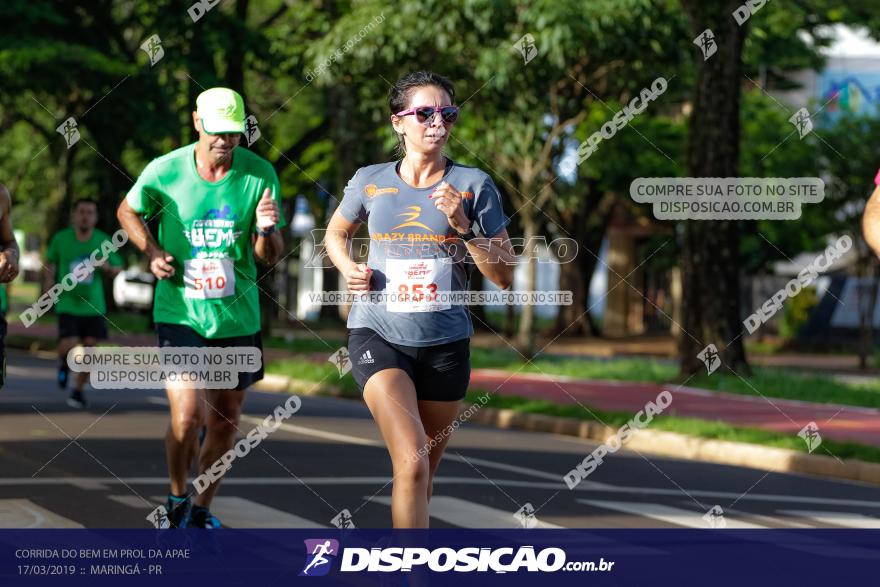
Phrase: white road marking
[238,512]
[466,514]
[307,431]
[845,519]
[371,480]
[133,501]
[665,513]
[23,513]
[235,512]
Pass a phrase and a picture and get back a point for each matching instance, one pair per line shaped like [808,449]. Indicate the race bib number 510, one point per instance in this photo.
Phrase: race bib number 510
[413,284]
[208,278]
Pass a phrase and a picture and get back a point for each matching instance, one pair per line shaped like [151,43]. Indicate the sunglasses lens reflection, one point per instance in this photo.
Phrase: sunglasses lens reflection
[425,115]
[449,114]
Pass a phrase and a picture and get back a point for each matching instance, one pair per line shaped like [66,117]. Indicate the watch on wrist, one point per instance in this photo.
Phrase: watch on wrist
[267,232]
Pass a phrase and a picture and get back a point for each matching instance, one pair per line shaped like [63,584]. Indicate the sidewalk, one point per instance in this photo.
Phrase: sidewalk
[836,422]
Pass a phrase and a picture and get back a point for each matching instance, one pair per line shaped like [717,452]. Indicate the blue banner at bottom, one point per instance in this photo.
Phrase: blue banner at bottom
[258,558]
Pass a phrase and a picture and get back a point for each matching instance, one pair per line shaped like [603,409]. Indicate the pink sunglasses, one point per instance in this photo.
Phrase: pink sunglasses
[425,114]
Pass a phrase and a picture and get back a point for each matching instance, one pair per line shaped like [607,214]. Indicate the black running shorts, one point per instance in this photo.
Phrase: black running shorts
[82,327]
[176,335]
[440,373]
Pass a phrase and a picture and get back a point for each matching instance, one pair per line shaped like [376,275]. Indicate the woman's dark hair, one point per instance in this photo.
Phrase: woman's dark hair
[400,93]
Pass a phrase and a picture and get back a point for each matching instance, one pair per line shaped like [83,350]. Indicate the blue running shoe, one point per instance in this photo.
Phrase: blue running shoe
[201,517]
[62,375]
[178,509]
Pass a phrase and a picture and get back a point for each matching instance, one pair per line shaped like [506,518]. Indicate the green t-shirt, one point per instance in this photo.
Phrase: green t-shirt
[66,251]
[208,228]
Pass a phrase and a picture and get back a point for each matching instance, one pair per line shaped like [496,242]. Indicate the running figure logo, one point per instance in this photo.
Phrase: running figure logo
[251,130]
[159,518]
[810,434]
[715,518]
[710,358]
[341,360]
[802,122]
[526,516]
[526,46]
[319,556]
[706,42]
[153,48]
[69,131]
[343,520]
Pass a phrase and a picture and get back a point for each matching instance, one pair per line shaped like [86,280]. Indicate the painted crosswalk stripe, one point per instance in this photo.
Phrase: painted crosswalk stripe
[133,501]
[23,513]
[845,519]
[466,514]
[238,512]
[664,513]
[235,512]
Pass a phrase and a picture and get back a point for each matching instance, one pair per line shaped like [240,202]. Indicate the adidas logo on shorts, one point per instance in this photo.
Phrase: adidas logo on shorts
[366,359]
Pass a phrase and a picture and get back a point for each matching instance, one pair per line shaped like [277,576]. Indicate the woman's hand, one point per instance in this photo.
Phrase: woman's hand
[357,277]
[449,201]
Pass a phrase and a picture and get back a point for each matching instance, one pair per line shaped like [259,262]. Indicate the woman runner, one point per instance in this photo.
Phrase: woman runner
[428,218]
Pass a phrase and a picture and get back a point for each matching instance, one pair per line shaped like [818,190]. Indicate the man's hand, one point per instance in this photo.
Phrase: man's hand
[160,264]
[448,200]
[268,214]
[8,265]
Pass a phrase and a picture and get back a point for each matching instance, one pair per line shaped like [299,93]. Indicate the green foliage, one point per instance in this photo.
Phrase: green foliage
[796,311]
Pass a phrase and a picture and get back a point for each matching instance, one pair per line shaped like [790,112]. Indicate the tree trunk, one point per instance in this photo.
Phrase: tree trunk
[710,264]
[575,276]
[237,51]
[525,338]
[867,301]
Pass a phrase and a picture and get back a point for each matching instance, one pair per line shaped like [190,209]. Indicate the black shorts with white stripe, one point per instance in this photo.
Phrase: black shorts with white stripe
[439,373]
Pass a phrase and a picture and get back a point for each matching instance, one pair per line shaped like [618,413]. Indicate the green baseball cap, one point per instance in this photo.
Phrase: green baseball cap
[221,111]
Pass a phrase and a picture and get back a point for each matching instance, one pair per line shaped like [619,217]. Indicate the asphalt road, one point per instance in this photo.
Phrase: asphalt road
[105,468]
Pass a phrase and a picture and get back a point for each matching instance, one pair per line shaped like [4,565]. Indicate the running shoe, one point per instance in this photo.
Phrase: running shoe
[178,509]
[77,400]
[63,371]
[201,517]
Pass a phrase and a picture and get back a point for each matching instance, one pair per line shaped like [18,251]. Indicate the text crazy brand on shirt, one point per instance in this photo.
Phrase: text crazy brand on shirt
[414,253]
[208,228]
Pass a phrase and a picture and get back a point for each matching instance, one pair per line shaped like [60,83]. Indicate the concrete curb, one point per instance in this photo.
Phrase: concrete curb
[655,442]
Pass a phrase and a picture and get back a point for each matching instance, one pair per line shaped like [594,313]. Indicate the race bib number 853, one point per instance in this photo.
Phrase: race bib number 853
[413,284]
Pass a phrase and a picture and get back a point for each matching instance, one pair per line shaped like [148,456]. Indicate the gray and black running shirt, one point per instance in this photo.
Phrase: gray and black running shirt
[414,252]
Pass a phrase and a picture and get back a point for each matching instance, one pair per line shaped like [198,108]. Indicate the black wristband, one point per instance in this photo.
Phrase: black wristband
[469,235]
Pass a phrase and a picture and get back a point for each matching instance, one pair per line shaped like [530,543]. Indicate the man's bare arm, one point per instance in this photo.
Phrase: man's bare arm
[139,235]
[9,252]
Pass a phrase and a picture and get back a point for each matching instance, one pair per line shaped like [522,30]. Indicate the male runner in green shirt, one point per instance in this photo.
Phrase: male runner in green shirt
[81,310]
[218,211]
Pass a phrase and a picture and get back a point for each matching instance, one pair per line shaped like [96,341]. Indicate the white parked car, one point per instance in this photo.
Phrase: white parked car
[133,288]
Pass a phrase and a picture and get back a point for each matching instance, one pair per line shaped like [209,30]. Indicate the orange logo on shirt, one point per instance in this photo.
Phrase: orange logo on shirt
[372,190]
[467,195]
[415,212]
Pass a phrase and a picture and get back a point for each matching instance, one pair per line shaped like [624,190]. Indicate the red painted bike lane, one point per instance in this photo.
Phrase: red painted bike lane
[837,422]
